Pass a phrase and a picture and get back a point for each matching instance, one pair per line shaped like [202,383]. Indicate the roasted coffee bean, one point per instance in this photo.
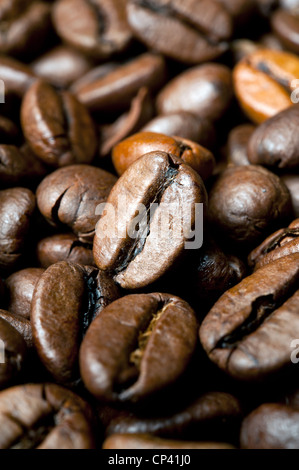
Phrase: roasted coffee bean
[247,202]
[271,426]
[21,324]
[69,197]
[16,208]
[249,330]
[139,344]
[263,83]
[138,252]
[98,28]
[237,144]
[129,150]
[24,26]
[9,132]
[57,127]
[201,27]
[16,76]
[64,247]
[275,143]
[66,300]
[20,286]
[19,165]
[282,243]
[292,183]
[113,88]
[184,124]
[12,353]
[146,441]
[44,416]
[61,66]
[286,25]
[211,410]
[205,91]
[240,10]
[140,112]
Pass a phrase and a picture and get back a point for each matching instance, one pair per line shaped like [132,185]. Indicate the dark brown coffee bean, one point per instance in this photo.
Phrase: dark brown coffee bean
[16,76]
[237,144]
[247,202]
[292,183]
[137,255]
[20,287]
[271,426]
[98,28]
[249,330]
[16,208]
[61,66]
[184,124]
[66,300]
[263,83]
[44,416]
[286,25]
[275,143]
[201,27]
[25,25]
[141,110]
[9,132]
[115,89]
[69,197]
[64,247]
[205,91]
[282,243]
[19,165]
[12,353]
[21,324]
[146,441]
[57,127]
[210,410]
[138,345]
[129,150]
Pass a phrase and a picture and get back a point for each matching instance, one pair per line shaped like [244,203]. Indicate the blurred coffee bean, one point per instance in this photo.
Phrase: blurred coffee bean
[61,66]
[57,127]
[286,25]
[275,142]
[16,76]
[247,202]
[129,150]
[69,197]
[16,208]
[13,353]
[115,89]
[237,144]
[64,247]
[66,300]
[98,28]
[137,346]
[249,330]
[263,83]
[284,242]
[292,183]
[136,256]
[205,91]
[20,287]
[201,27]
[9,132]
[44,416]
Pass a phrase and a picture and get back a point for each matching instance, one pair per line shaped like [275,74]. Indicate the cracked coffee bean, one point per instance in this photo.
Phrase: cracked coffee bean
[66,299]
[138,260]
[263,83]
[64,247]
[97,28]
[69,197]
[201,27]
[44,416]
[14,353]
[129,150]
[139,345]
[248,332]
[57,127]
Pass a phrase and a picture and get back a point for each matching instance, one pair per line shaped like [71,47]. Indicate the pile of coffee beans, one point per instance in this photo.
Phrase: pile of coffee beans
[149,224]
